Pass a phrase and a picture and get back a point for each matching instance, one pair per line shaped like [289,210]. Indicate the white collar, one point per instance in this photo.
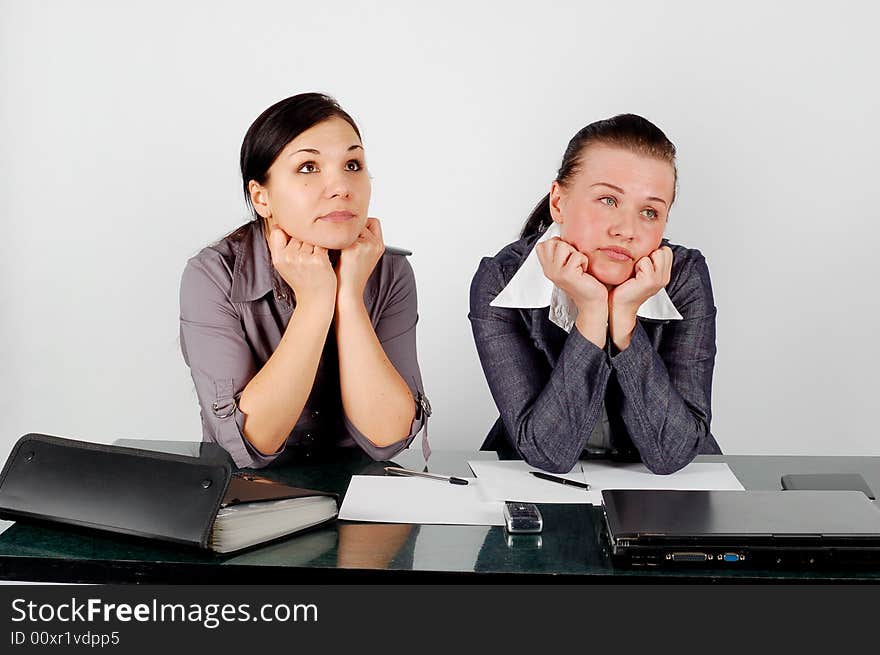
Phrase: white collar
[530,289]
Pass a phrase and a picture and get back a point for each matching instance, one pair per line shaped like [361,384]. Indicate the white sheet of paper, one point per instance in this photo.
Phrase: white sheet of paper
[695,476]
[390,499]
[510,480]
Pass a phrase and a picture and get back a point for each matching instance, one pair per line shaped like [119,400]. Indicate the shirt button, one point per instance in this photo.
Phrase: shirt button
[315,414]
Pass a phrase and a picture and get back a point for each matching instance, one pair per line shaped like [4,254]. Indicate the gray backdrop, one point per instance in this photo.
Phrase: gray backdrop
[119,137]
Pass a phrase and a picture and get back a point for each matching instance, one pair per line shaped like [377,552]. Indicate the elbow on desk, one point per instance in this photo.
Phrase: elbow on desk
[380,442]
[375,446]
[529,446]
[388,437]
[398,428]
[665,466]
[546,462]
[554,467]
[658,466]
[667,463]
[380,453]
[689,443]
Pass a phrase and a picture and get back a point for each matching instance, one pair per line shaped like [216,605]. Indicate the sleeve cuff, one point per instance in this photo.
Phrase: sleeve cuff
[577,346]
[382,453]
[231,436]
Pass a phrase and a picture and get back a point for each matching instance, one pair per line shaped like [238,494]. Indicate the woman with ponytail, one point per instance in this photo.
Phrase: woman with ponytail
[621,363]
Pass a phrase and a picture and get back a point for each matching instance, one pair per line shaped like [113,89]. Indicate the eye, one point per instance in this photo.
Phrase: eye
[651,213]
[353,165]
[608,200]
[308,167]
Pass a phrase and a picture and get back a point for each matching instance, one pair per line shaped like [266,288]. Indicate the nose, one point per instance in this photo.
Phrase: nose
[337,186]
[623,225]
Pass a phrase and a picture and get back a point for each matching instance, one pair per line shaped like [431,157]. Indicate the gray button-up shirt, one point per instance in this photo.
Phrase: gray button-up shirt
[234,309]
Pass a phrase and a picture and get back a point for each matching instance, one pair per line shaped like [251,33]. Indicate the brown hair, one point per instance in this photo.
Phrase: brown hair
[626,131]
[279,125]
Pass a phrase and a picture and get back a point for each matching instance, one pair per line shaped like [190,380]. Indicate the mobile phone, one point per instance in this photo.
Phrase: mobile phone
[522,518]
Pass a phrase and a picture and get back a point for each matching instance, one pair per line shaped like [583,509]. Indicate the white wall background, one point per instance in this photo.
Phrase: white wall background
[120,125]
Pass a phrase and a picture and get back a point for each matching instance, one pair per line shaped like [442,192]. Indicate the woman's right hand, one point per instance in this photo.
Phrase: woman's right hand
[306,268]
[566,267]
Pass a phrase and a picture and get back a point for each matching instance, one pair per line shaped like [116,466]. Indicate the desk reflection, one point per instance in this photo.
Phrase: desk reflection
[371,545]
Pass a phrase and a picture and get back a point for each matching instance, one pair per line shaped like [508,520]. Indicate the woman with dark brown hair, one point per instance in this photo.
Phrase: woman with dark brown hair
[299,328]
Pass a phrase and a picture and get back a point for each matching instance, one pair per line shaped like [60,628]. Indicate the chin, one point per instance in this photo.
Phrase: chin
[613,277]
[336,238]
[338,243]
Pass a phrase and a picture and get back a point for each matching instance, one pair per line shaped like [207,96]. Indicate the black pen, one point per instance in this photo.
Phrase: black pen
[421,474]
[553,478]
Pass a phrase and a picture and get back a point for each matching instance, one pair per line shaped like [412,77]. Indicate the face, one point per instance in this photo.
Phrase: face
[614,210]
[318,190]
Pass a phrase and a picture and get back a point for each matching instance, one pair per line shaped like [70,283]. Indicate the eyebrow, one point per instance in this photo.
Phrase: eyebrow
[318,152]
[619,190]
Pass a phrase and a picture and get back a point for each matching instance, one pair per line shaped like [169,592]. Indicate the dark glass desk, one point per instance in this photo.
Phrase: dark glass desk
[569,550]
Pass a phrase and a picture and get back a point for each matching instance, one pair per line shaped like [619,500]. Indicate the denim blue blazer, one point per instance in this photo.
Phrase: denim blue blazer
[550,385]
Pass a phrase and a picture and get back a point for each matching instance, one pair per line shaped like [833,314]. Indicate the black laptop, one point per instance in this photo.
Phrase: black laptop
[730,529]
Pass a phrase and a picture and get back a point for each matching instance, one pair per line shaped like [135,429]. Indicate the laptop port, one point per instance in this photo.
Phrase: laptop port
[689,557]
[731,557]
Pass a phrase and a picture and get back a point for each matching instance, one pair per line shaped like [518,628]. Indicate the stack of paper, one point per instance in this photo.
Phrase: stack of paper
[247,524]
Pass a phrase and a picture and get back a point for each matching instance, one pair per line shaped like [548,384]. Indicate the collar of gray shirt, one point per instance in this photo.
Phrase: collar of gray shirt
[254,275]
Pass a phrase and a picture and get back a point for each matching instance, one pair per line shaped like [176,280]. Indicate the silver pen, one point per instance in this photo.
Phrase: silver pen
[420,474]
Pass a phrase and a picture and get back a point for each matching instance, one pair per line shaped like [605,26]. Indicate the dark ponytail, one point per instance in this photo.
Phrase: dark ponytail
[539,220]
[623,131]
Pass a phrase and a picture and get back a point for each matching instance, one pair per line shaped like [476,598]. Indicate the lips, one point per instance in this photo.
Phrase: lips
[337,217]
[617,254]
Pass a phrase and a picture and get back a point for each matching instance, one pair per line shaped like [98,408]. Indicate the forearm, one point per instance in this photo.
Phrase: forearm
[554,433]
[592,323]
[274,398]
[621,323]
[667,430]
[548,405]
[551,431]
[375,397]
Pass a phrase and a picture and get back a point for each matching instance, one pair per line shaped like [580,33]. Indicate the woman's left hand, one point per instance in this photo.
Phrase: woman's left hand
[357,262]
[652,273]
